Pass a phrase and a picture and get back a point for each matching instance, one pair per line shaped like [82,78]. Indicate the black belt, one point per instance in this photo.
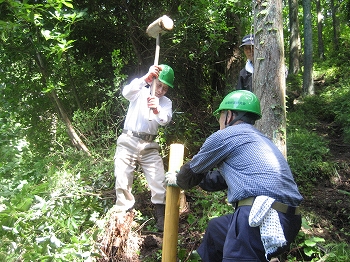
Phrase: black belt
[278,206]
[143,136]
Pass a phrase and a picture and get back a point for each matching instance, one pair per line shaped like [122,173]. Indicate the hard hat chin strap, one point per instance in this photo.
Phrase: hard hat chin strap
[239,115]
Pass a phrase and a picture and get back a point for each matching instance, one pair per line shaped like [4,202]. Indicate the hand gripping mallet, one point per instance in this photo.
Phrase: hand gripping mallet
[161,25]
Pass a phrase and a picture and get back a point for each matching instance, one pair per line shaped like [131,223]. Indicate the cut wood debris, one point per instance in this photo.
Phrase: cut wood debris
[119,241]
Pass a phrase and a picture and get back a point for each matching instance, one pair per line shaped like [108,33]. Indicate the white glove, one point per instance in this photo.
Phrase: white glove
[171,178]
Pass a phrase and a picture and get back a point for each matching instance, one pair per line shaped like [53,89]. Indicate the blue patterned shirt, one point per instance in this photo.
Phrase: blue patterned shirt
[250,163]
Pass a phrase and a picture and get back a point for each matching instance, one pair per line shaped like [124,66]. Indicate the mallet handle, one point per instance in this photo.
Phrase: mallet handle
[156,61]
[156,56]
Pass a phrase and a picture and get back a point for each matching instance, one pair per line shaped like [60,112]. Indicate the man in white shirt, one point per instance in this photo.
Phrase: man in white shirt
[136,144]
[246,74]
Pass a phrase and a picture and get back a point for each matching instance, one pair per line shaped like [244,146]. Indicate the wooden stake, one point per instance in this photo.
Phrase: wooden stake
[172,205]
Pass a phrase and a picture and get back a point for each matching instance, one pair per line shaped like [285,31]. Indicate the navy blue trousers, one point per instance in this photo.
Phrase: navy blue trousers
[230,238]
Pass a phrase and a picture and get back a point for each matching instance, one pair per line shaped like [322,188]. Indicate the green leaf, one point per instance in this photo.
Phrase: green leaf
[309,251]
[318,239]
[67,4]
[25,204]
[310,243]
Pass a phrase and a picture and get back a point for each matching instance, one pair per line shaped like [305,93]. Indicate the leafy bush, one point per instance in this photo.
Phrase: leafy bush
[306,247]
[308,152]
[307,157]
[339,106]
[48,210]
[206,206]
[338,252]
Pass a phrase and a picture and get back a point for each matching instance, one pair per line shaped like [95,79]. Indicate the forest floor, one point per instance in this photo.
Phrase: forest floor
[330,200]
[328,206]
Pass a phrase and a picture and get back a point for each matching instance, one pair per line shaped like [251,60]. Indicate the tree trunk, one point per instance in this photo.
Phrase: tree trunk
[269,70]
[320,30]
[294,41]
[308,84]
[77,142]
[335,25]
[73,85]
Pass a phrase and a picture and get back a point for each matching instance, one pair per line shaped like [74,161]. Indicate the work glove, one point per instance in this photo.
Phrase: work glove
[153,72]
[171,178]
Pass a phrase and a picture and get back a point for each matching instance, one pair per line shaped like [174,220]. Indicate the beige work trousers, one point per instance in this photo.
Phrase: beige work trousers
[130,152]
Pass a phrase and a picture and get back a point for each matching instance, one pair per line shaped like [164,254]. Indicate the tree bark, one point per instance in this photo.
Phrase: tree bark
[335,25]
[308,84]
[294,41]
[320,30]
[269,70]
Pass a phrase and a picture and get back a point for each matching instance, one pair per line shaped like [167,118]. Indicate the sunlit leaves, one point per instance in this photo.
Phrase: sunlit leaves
[38,224]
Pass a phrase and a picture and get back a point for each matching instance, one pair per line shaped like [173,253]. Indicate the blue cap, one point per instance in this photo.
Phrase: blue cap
[247,40]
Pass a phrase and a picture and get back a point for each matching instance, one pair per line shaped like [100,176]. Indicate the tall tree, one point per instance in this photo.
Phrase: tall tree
[269,70]
[308,83]
[294,39]
[41,34]
[334,10]
[320,44]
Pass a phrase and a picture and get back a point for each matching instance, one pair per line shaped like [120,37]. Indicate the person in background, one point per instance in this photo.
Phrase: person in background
[259,182]
[136,144]
[246,74]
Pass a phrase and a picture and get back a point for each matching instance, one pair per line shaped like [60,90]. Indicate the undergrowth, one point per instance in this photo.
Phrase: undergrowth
[49,206]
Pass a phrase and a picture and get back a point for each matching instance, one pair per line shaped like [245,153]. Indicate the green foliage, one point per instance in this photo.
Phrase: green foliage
[313,248]
[48,209]
[308,152]
[207,206]
[184,130]
[328,112]
[54,219]
[99,125]
[51,195]
[339,105]
[11,144]
[307,157]
[156,256]
[310,246]
[307,245]
[337,252]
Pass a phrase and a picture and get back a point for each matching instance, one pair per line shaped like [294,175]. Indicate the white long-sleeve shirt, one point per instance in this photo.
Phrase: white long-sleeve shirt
[137,117]
[249,66]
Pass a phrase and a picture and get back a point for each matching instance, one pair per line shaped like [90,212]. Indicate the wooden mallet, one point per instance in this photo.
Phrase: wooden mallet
[159,26]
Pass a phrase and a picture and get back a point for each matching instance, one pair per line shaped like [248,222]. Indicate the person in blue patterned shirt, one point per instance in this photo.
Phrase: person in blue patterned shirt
[259,185]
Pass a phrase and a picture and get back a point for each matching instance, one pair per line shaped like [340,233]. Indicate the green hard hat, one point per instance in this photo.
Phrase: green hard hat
[240,100]
[166,76]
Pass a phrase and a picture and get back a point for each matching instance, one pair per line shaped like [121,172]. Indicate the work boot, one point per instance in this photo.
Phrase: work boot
[160,213]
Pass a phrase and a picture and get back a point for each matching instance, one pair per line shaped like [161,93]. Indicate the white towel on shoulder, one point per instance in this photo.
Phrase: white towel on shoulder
[271,231]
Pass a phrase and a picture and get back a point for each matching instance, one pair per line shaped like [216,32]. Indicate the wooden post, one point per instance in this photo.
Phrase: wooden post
[171,220]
